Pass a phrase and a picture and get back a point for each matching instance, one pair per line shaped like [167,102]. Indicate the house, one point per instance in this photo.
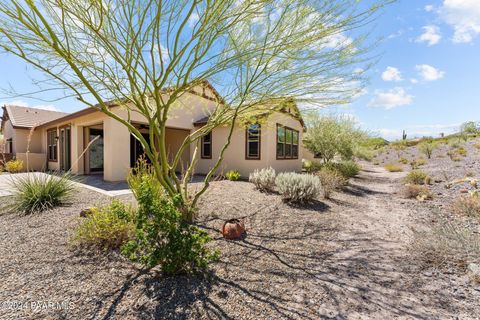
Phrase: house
[18,137]
[90,142]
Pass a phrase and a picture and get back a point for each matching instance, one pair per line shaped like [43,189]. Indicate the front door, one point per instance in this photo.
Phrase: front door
[65,148]
[95,158]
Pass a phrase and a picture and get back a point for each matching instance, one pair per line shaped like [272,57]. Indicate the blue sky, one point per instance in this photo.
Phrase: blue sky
[426,82]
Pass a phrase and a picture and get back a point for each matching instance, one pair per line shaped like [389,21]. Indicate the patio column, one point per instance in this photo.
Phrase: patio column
[77,149]
[116,150]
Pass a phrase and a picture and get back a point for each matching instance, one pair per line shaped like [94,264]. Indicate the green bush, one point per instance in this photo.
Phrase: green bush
[298,188]
[330,181]
[416,177]
[161,236]
[364,153]
[264,179]
[403,160]
[35,192]
[427,148]
[348,169]
[232,175]
[106,228]
[14,166]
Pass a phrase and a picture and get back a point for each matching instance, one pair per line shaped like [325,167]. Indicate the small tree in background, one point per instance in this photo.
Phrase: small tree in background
[427,148]
[470,127]
[329,136]
[145,55]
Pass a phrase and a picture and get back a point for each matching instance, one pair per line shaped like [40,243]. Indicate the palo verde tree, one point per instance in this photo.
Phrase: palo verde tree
[146,54]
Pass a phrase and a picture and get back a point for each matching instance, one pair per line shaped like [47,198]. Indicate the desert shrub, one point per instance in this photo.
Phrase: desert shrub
[161,236]
[14,166]
[455,143]
[36,192]
[106,228]
[414,191]
[467,205]
[476,145]
[330,181]
[446,245]
[348,169]
[403,160]
[462,151]
[364,153]
[416,177]
[427,148]
[470,127]
[393,167]
[330,136]
[299,188]
[264,179]
[232,175]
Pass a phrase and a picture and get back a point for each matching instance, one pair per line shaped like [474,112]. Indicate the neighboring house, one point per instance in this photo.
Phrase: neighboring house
[18,137]
[274,141]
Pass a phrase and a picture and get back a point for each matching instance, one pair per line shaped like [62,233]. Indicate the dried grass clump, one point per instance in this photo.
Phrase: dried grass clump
[416,177]
[446,245]
[467,205]
[393,167]
[330,180]
[413,191]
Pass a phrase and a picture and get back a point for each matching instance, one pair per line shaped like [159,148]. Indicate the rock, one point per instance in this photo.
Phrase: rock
[473,270]
[463,191]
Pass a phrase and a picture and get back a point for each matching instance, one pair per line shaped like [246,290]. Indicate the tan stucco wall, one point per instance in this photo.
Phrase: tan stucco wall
[235,154]
[175,138]
[9,133]
[21,141]
[35,162]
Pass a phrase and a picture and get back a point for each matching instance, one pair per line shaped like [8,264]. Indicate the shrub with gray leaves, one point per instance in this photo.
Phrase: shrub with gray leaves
[264,179]
[299,188]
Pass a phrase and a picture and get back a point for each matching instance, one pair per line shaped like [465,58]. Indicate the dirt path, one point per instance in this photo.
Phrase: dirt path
[374,266]
[345,258]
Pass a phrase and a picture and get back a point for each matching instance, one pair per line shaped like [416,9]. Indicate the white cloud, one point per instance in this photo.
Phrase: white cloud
[413,81]
[392,74]
[431,35]
[390,99]
[25,104]
[429,73]
[429,8]
[194,17]
[464,17]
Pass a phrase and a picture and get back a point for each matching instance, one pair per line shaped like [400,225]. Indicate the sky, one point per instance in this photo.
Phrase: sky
[427,80]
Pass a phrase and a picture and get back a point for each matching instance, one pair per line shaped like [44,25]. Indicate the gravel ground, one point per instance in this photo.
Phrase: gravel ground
[341,259]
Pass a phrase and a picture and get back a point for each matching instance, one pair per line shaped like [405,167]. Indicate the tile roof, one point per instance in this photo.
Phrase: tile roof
[25,117]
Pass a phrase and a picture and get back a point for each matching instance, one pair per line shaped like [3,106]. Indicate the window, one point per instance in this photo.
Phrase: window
[52,145]
[9,146]
[207,146]
[252,142]
[287,143]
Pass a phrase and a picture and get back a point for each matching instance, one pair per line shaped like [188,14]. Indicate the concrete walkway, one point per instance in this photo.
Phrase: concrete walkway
[94,183]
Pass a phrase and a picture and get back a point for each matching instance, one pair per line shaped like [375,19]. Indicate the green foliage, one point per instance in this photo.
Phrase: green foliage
[416,177]
[264,179]
[403,160]
[14,166]
[364,153]
[393,167]
[297,188]
[330,181]
[329,136]
[427,148]
[36,192]
[347,169]
[106,228]
[232,175]
[161,236]
[455,143]
[470,127]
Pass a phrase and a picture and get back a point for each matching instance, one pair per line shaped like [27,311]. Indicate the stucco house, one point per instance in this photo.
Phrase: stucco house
[59,141]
